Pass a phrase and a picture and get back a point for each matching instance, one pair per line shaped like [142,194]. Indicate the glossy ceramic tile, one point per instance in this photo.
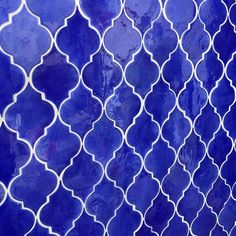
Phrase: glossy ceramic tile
[117,118]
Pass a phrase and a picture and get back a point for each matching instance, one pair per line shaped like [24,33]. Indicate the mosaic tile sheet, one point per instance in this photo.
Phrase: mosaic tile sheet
[117,118]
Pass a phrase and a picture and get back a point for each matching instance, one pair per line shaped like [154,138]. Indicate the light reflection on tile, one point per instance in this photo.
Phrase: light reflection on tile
[117,118]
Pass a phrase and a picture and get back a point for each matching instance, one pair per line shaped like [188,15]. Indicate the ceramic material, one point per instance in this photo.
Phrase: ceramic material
[117,118]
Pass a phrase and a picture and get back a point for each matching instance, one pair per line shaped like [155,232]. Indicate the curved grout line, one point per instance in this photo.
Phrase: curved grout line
[142,106]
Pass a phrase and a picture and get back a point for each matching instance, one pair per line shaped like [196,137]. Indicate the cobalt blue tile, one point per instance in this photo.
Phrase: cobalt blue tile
[58,146]
[161,94]
[172,186]
[233,230]
[2,193]
[123,106]
[177,70]
[192,152]
[22,116]
[52,13]
[192,98]
[11,80]
[224,41]
[205,175]
[160,159]
[14,154]
[14,220]
[228,3]
[104,200]
[203,127]
[227,217]
[218,195]
[30,188]
[101,13]
[117,118]
[231,69]
[228,169]
[181,13]
[122,40]
[232,15]
[218,230]
[234,191]
[81,110]
[219,147]
[86,226]
[25,39]
[125,165]
[82,175]
[55,76]
[143,133]
[176,227]
[159,214]
[6,7]
[126,221]
[78,40]
[143,12]
[38,230]
[145,184]
[190,204]
[160,38]
[102,75]
[195,41]
[181,127]
[142,73]
[110,139]
[229,121]
[200,225]
[209,70]
[145,231]
[225,90]
[61,211]
[213,14]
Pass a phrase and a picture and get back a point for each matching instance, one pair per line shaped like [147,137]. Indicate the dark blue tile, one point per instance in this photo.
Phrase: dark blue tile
[126,221]
[54,149]
[11,80]
[82,175]
[143,133]
[25,39]
[13,219]
[104,200]
[109,140]
[61,211]
[55,77]
[142,73]
[124,166]
[160,38]
[102,75]
[6,7]
[123,106]
[24,118]
[201,226]
[52,13]
[147,186]
[86,226]
[190,204]
[101,13]
[122,40]
[14,154]
[143,12]
[30,187]
[81,110]
[78,40]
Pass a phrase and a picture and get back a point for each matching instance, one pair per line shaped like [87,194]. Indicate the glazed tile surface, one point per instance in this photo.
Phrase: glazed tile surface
[117,118]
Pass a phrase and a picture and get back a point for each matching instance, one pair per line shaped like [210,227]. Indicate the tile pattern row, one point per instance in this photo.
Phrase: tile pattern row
[117,117]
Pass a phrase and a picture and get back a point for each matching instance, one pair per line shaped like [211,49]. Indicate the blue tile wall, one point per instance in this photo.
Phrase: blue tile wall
[117,117]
